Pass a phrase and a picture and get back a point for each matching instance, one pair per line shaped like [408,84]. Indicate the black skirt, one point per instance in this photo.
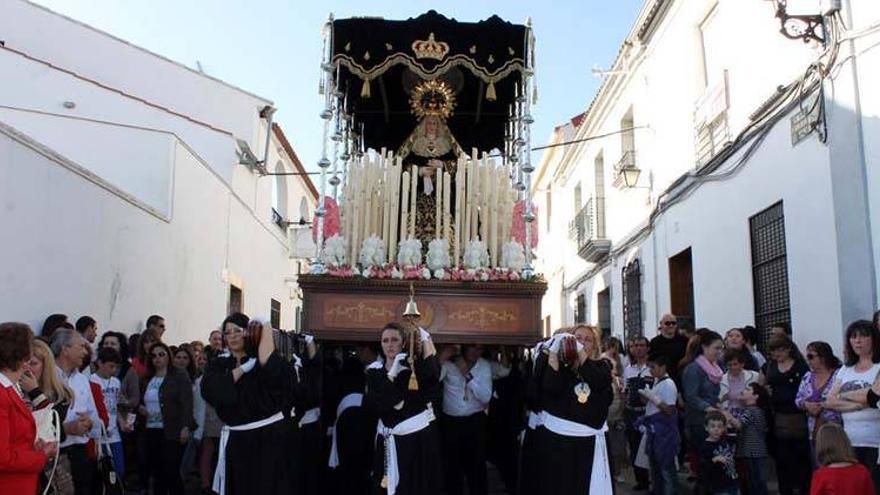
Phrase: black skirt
[263,461]
[530,461]
[418,461]
[566,464]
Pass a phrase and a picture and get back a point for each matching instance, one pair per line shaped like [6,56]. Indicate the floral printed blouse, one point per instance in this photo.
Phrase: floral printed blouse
[807,392]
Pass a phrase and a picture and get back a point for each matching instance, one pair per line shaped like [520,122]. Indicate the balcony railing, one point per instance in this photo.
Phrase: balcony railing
[627,162]
[587,231]
[277,219]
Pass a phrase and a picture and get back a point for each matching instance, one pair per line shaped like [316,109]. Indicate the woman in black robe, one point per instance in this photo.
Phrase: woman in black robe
[354,432]
[251,389]
[575,395]
[407,458]
[530,456]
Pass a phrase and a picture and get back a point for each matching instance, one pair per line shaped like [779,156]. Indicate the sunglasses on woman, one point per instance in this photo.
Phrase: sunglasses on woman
[158,355]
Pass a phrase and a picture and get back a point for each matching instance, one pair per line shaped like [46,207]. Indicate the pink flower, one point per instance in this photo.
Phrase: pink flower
[518,229]
[331,220]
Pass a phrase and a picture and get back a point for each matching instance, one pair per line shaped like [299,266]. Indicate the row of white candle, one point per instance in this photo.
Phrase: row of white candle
[380,199]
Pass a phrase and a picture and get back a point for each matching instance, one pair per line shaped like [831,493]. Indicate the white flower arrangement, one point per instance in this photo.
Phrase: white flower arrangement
[426,273]
[396,273]
[334,251]
[476,255]
[513,256]
[372,252]
[440,274]
[409,253]
[438,254]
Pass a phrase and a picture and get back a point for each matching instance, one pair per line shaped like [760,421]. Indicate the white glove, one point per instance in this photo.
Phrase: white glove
[398,365]
[248,365]
[556,342]
[310,339]
[424,335]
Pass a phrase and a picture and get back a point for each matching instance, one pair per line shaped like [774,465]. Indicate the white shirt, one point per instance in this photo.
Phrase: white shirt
[463,397]
[198,409]
[665,392]
[151,402]
[111,389]
[862,426]
[83,402]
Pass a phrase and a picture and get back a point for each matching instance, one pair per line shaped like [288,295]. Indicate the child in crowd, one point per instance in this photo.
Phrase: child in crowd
[661,426]
[751,440]
[840,471]
[717,465]
[106,364]
[736,379]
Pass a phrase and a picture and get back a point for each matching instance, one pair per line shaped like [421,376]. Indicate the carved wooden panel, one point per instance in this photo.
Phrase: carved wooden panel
[341,309]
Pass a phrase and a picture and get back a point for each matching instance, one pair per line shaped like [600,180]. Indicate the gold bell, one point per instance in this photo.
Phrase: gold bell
[411,312]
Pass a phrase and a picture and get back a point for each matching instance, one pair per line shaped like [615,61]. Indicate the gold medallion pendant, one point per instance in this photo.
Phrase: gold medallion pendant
[384,483]
[582,391]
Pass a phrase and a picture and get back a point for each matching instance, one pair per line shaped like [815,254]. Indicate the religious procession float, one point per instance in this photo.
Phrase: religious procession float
[425,177]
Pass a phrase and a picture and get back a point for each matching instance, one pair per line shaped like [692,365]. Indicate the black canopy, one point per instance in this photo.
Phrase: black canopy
[380,61]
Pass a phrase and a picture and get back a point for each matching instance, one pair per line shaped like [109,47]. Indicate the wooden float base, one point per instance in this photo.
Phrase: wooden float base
[356,309]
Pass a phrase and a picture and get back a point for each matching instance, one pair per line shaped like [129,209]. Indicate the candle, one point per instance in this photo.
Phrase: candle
[438,202]
[447,194]
[475,198]
[459,198]
[493,213]
[386,204]
[464,235]
[394,179]
[404,207]
[355,211]
[413,191]
[485,187]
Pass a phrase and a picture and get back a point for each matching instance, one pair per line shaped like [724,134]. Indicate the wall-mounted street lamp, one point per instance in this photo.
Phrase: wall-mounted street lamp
[804,27]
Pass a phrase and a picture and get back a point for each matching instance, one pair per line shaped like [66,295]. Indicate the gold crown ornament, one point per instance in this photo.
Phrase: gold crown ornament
[430,48]
[434,97]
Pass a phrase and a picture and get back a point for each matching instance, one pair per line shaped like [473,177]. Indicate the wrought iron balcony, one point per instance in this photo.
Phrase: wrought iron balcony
[587,230]
[278,220]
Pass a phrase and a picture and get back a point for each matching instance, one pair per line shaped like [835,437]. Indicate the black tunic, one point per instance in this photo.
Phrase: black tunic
[567,462]
[418,454]
[265,460]
[355,432]
[308,390]
[530,456]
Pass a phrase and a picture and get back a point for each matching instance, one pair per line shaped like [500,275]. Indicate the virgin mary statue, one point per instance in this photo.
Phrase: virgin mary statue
[431,148]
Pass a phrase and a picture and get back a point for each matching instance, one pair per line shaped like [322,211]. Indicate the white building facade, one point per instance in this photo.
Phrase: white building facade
[122,189]
[695,187]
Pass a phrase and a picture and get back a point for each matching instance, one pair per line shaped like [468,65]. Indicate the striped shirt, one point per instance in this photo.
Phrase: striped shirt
[750,440]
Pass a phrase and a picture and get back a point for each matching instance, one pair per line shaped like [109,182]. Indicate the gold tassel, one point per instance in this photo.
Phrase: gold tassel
[490,92]
[365,89]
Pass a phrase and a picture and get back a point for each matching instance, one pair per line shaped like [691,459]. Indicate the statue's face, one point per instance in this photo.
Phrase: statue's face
[431,126]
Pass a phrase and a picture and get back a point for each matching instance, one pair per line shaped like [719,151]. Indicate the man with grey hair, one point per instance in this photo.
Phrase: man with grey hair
[82,421]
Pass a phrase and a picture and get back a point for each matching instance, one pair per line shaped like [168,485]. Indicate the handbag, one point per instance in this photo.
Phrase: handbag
[111,480]
[790,426]
[60,480]
[48,424]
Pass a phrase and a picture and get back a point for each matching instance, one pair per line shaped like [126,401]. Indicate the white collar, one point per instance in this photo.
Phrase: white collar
[5,381]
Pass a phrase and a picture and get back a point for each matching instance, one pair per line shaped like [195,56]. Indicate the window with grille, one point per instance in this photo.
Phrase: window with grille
[769,269]
[275,314]
[632,299]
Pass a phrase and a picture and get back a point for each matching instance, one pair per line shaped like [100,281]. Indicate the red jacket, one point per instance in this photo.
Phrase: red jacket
[849,480]
[20,464]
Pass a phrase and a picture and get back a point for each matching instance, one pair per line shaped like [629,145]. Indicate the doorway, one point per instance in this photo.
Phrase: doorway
[681,288]
[603,300]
